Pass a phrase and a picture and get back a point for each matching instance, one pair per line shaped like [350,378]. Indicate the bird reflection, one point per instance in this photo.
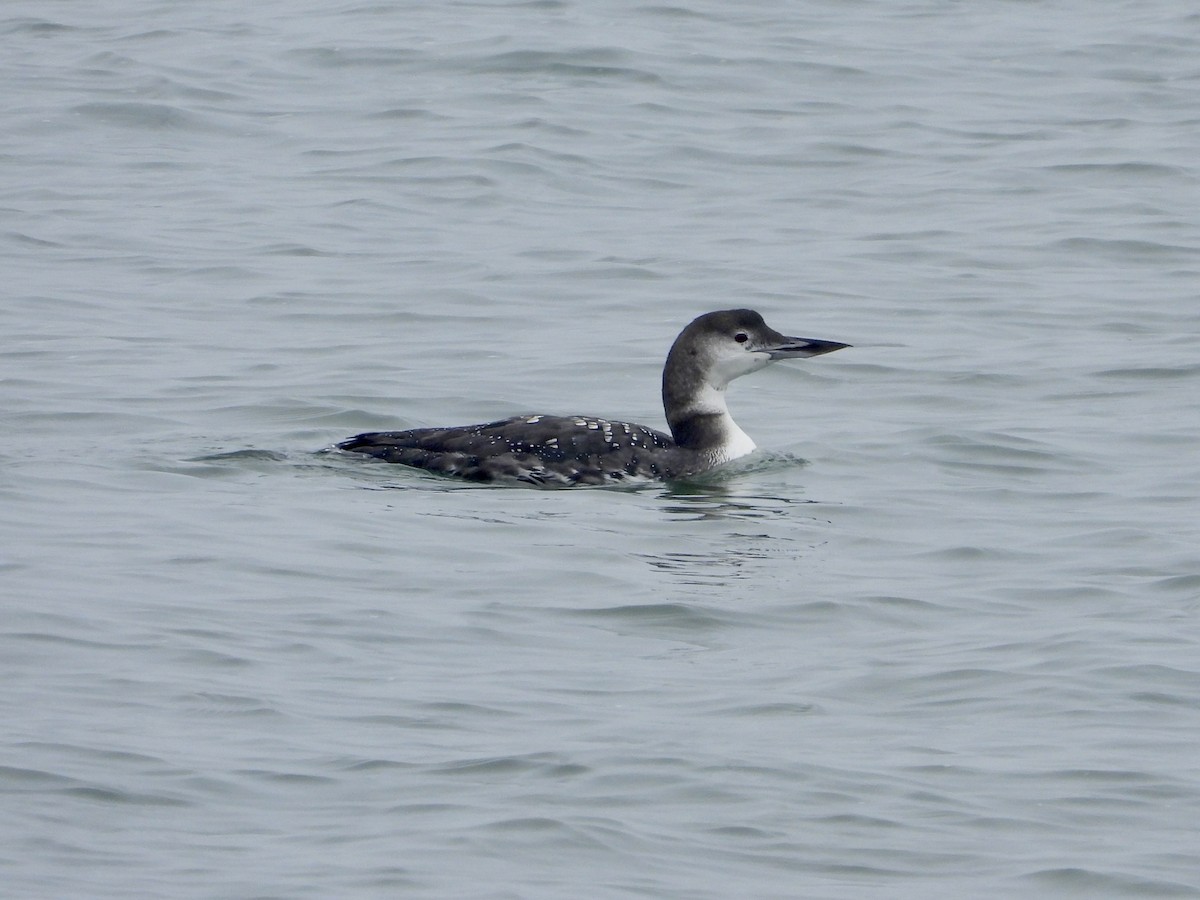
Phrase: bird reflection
[784,530]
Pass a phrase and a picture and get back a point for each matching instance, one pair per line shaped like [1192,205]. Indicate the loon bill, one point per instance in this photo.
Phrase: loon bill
[713,350]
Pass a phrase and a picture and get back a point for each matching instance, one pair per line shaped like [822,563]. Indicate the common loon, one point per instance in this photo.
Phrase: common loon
[580,450]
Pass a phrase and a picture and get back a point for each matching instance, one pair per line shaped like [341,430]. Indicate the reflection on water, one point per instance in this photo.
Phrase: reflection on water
[784,531]
[721,501]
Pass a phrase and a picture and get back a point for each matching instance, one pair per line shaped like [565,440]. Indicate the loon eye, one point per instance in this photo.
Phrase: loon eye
[741,337]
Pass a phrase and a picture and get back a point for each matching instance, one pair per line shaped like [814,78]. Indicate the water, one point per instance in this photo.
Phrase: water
[939,639]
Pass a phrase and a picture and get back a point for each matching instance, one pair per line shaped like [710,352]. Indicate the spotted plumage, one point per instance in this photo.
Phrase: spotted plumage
[552,450]
[583,450]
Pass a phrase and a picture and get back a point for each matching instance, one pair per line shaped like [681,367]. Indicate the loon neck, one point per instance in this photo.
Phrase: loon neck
[714,434]
[697,413]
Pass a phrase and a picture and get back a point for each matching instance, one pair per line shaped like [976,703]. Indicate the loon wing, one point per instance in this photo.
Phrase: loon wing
[531,448]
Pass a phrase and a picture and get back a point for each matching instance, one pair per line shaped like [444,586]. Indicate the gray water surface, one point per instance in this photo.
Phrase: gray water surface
[939,638]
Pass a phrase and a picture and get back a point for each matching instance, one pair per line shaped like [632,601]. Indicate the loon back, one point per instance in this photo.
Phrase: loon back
[551,450]
[581,450]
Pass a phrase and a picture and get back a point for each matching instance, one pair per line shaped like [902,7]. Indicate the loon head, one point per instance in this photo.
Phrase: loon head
[713,350]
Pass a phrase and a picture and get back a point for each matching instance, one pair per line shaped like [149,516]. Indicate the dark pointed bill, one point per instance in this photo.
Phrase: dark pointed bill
[799,348]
